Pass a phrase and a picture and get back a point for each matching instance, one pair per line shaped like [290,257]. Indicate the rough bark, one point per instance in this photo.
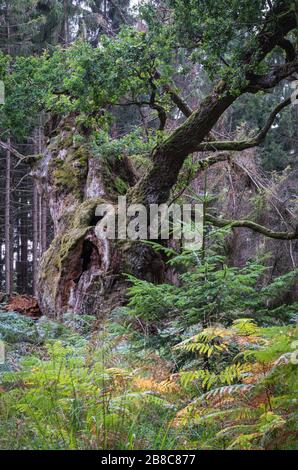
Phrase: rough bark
[79,272]
[24,250]
[35,237]
[8,243]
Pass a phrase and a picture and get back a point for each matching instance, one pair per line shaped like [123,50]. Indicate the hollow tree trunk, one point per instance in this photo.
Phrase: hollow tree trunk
[79,272]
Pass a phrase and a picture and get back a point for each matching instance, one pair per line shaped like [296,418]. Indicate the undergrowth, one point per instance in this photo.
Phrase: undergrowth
[210,363]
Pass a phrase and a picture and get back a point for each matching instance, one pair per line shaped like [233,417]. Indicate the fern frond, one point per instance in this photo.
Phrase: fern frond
[228,390]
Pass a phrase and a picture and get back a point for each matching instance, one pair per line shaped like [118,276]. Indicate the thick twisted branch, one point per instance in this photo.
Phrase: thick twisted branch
[169,156]
[245,144]
[273,78]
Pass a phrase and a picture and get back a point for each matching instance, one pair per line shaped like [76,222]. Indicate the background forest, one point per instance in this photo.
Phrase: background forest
[147,345]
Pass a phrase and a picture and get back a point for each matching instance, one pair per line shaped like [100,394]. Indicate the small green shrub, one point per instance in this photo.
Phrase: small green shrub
[15,328]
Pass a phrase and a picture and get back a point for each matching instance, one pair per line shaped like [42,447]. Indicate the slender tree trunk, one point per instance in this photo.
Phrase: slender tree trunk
[8,243]
[42,201]
[35,238]
[18,273]
[43,224]
[39,226]
[65,22]
[24,249]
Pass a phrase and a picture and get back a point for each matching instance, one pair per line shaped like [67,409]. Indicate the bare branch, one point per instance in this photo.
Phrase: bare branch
[245,144]
[18,155]
[209,161]
[162,115]
[177,100]
[253,226]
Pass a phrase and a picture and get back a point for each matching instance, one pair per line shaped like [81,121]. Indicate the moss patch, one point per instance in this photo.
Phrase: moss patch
[69,165]
[56,257]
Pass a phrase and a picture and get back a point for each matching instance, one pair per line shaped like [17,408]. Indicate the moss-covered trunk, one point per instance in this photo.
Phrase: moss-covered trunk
[79,272]
[169,156]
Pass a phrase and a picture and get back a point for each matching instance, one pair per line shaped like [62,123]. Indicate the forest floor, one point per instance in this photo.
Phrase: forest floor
[70,386]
